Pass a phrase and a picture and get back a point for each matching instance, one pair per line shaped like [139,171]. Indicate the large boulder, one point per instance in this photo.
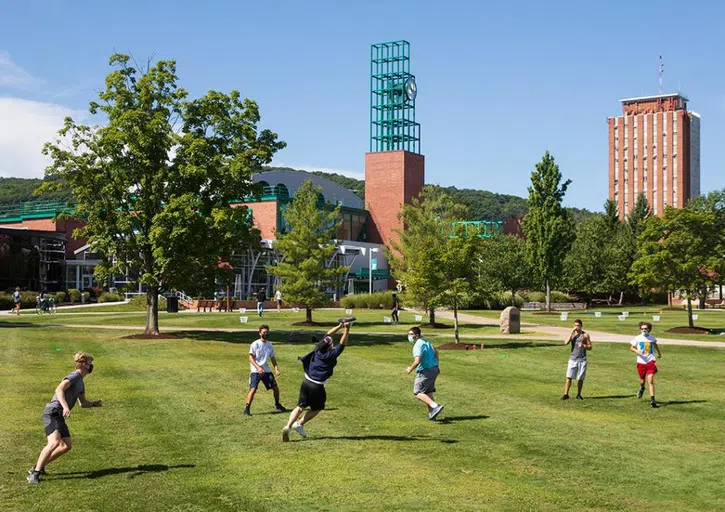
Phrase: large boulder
[510,321]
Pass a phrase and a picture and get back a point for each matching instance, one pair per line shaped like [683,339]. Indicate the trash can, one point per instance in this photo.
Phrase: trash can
[172,304]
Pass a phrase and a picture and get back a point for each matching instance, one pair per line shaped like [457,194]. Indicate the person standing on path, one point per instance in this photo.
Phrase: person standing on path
[260,352]
[577,367]
[261,297]
[318,366]
[278,299]
[645,345]
[17,299]
[70,390]
[425,363]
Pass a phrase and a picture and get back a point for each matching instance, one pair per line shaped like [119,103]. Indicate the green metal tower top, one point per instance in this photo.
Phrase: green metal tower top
[392,99]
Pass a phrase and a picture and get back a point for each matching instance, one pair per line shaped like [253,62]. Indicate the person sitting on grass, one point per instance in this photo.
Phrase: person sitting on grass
[260,352]
[645,345]
[425,363]
[70,390]
[318,366]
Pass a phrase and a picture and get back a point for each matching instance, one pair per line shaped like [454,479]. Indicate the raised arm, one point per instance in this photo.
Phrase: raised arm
[335,329]
[345,334]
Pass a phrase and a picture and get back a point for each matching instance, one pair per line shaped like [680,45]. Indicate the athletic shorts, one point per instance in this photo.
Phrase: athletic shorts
[646,369]
[266,378]
[425,381]
[312,395]
[576,369]
[53,420]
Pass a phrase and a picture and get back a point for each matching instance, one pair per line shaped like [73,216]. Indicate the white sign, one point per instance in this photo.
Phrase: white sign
[598,314]
[621,318]
[655,318]
[348,311]
[564,316]
[243,319]
[242,310]
[387,320]
[418,318]
[625,314]
[295,310]
[695,317]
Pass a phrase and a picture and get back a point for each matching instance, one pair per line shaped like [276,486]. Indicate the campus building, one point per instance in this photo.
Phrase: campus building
[654,149]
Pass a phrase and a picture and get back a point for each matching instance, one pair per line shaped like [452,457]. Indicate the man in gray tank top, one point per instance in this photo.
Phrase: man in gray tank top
[577,366]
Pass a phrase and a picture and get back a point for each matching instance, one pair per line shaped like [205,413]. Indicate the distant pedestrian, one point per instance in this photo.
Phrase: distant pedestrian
[396,308]
[425,363]
[318,366]
[261,297]
[278,299]
[260,352]
[71,389]
[645,345]
[577,367]
[17,299]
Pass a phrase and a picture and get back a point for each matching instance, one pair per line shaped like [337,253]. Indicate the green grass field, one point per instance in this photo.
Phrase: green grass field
[171,435]
[368,321]
[608,322]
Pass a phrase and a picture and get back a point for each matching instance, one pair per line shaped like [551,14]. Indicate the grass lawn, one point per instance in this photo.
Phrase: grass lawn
[171,435]
[609,322]
[368,321]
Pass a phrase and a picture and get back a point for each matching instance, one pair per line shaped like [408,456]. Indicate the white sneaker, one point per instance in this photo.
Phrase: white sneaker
[299,429]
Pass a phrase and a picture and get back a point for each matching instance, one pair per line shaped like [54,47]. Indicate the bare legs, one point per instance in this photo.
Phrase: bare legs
[56,447]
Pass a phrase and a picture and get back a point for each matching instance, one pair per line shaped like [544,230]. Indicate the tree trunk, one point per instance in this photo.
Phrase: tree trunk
[703,296]
[548,297]
[720,293]
[308,315]
[455,319]
[513,298]
[432,315]
[669,299]
[152,311]
[689,313]
[621,298]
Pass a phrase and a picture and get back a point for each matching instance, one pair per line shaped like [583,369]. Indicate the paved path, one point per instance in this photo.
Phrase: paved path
[560,333]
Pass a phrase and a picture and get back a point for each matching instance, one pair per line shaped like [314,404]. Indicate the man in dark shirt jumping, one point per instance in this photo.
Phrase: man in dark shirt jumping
[318,366]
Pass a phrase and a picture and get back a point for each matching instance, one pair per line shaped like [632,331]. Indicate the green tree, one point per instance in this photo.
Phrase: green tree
[682,250]
[547,226]
[598,261]
[305,250]
[156,184]
[416,259]
[611,213]
[504,265]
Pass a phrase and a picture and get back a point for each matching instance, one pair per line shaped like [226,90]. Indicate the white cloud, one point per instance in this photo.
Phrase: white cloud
[24,127]
[311,168]
[12,75]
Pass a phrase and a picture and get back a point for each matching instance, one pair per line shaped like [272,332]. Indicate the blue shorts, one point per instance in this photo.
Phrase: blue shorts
[266,378]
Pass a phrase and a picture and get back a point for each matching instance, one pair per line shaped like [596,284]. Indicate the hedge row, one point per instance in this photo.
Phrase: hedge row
[376,300]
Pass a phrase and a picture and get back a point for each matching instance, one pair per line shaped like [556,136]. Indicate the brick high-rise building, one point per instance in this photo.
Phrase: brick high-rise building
[654,149]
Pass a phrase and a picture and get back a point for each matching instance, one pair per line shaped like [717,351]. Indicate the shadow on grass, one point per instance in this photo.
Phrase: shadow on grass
[455,419]
[135,471]
[13,325]
[287,412]
[381,438]
[286,337]
[609,397]
[681,402]
[517,344]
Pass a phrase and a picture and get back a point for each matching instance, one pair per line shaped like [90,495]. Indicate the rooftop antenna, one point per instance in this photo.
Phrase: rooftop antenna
[660,72]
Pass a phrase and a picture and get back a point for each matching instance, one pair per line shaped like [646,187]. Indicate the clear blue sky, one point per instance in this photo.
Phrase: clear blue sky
[498,84]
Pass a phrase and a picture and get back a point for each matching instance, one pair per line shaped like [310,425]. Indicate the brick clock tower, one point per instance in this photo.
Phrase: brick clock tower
[394,167]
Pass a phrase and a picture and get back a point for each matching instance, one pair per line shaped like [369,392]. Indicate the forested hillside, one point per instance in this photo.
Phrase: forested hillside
[482,204]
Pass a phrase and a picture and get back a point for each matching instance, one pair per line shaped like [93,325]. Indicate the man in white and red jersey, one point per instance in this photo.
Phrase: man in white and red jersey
[645,346]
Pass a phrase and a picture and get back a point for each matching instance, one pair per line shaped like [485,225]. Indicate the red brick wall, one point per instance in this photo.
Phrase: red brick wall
[264,217]
[392,178]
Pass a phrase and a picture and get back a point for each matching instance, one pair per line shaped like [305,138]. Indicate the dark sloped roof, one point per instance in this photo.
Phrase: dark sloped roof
[332,192]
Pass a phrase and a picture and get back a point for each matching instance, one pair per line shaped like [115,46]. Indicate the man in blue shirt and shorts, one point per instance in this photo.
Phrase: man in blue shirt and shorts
[425,363]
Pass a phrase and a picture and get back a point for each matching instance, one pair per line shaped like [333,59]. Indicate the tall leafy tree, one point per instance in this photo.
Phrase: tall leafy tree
[547,226]
[504,265]
[157,182]
[679,251]
[305,250]
[417,258]
[611,213]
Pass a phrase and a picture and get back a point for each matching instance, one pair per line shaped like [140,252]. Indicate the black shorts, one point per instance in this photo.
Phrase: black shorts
[312,395]
[266,378]
[53,420]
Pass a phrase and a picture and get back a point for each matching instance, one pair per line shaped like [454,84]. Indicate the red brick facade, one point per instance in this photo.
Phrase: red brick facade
[264,217]
[392,178]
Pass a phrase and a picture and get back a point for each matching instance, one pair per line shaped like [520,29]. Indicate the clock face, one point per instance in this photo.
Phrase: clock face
[411,89]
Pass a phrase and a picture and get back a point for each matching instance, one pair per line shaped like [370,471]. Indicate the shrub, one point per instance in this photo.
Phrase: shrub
[28,300]
[109,297]
[60,297]
[558,297]
[348,302]
[86,297]
[74,295]
[6,301]
[376,300]
[502,300]
[139,301]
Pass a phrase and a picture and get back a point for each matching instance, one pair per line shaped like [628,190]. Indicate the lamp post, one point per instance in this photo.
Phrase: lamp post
[370,269]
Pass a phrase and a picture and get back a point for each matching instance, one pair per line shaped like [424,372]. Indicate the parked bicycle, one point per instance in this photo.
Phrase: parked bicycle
[45,305]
